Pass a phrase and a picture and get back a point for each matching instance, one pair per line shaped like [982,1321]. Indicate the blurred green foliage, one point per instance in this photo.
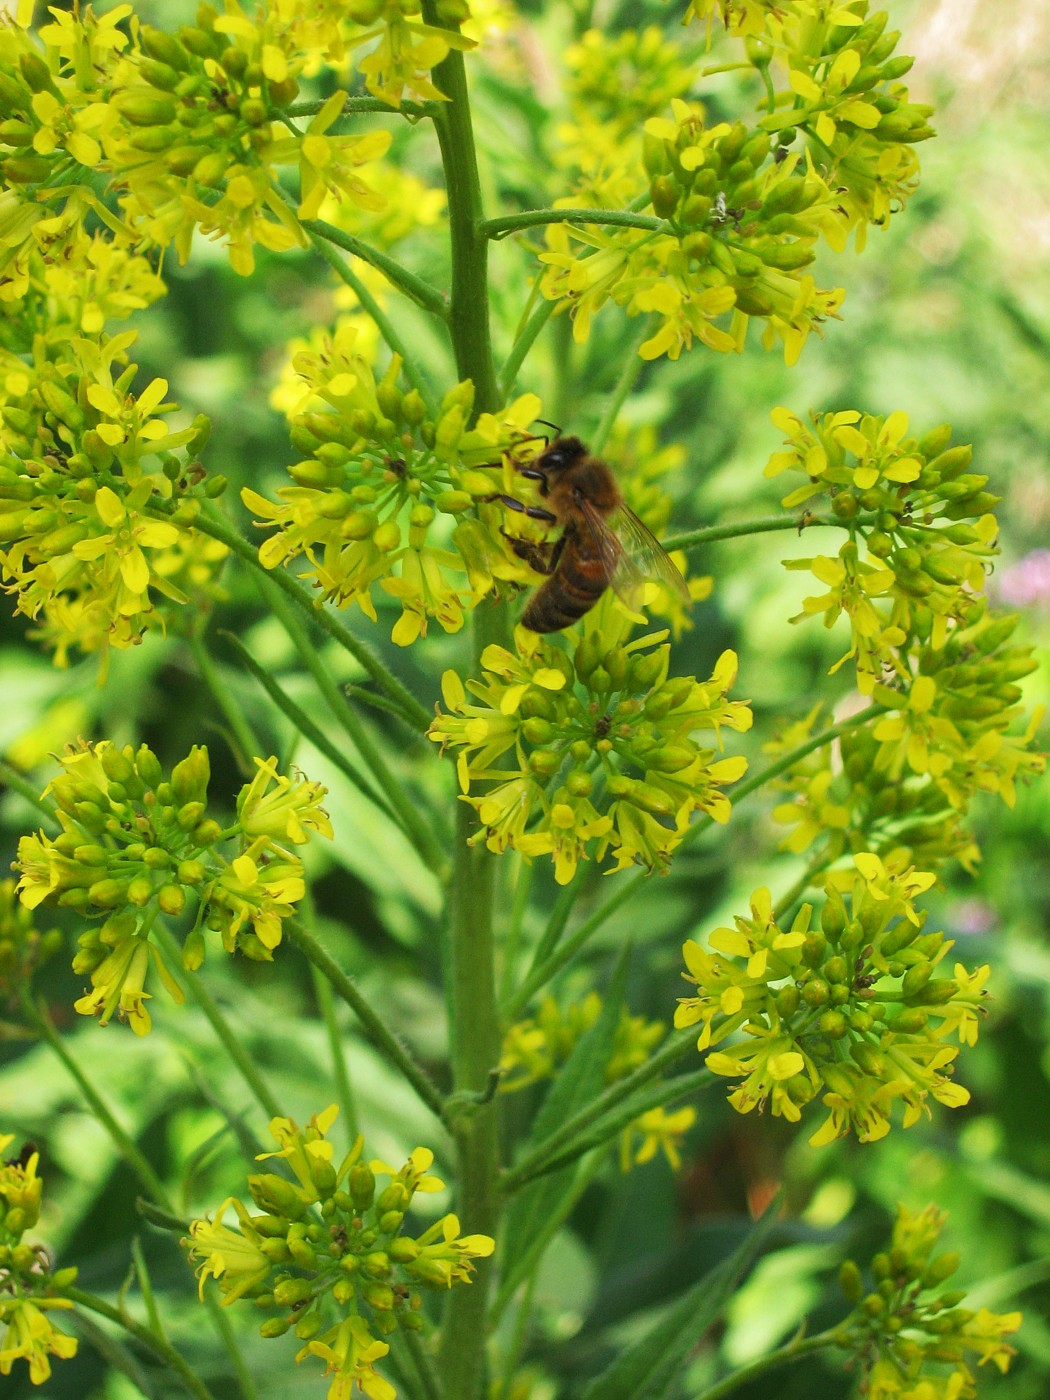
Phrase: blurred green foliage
[947,316]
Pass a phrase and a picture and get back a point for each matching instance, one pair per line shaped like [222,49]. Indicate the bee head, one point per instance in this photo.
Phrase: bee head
[562,453]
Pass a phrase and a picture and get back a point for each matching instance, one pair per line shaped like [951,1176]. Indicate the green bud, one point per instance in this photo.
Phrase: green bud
[916,978]
[544,762]
[144,106]
[664,195]
[850,1281]
[387,536]
[833,1024]
[816,992]
[579,784]
[814,949]
[171,899]
[35,72]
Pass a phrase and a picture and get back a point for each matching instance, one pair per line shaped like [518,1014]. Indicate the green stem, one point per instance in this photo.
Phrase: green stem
[128,1149]
[530,218]
[157,1346]
[611,1124]
[360,104]
[632,368]
[523,344]
[515,923]
[387,329]
[12,778]
[307,601]
[474,1021]
[344,986]
[305,726]
[344,1090]
[541,975]
[430,1381]
[692,539]
[239,727]
[407,812]
[419,291]
[223,1030]
[673,1048]
[783,1356]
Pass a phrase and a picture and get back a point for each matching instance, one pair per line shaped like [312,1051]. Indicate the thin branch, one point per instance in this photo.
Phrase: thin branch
[344,986]
[693,539]
[531,218]
[430,298]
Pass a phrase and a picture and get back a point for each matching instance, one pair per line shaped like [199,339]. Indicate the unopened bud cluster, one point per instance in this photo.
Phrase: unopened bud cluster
[331,1244]
[30,1288]
[910,1334]
[138,843]
[852,1005]
[97,495]
[599,744]
[743,202]
[385,497]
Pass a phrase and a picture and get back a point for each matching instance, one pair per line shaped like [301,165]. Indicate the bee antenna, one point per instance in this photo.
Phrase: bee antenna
[553,426]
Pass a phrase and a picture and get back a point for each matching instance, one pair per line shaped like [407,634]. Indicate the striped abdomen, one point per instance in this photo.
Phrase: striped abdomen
[578,581]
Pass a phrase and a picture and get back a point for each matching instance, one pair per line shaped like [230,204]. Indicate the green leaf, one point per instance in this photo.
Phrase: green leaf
[581,1079]
[646,1368]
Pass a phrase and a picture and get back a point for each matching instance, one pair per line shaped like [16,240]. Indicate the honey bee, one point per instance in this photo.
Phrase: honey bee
[602,543]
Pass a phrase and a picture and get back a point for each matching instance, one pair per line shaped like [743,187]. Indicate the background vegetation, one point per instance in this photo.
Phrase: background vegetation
[947,317]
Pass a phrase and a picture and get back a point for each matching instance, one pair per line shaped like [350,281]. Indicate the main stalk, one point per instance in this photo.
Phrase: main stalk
[475,1030]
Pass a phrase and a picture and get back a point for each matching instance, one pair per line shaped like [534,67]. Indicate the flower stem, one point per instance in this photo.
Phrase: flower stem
[692,539]
[243,739]
[530,218]
[523,344]
[344,985]
[361,104]
[632,368]
[220,529]
[11,778]
[421,292]
[125,1145]
[783,1356]
[223,1030]
[157,1346]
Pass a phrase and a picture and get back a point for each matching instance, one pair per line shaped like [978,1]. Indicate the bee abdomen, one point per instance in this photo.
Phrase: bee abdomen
[563,599]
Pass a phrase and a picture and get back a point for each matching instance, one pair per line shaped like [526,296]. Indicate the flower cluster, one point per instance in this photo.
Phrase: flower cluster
[602,742]
[331,1254]
[848,1006]
[97,493]
[29,1288]
[137,843]
[843,96]
[910,1335]
[738,208]
[23,947]
[535,1048]
[189,130]
[386,496]
[845,802]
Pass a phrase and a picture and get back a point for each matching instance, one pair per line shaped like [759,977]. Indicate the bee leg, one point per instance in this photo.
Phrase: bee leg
[543,557]
[533,512]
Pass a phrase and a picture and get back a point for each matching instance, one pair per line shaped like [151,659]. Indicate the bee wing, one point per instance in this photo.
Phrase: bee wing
[631,554]
[644,557]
